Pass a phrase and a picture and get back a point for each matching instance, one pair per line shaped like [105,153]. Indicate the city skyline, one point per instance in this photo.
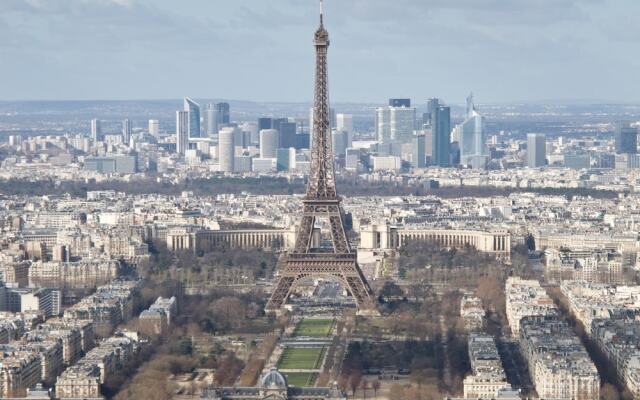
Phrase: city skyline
[162,43]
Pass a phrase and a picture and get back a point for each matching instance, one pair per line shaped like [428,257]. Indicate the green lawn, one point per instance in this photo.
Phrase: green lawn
[301,358]
[301,379]
[314,327]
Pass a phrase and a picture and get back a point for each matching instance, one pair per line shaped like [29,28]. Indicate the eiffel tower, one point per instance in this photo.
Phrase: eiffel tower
[338,262]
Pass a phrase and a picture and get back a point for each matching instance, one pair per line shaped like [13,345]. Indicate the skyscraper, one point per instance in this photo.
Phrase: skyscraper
[269,143]
[473,140]
[126,131]
[286,159]
[626,138]
[344,122]
[212,120]
[265,123]
[286,132]
[226,149]
[182,132]
[224,114]
[154,128]
[432,104]
[193,109]
[441,134]
[400,103]
[383,128]
[396,123]
[96,130]
[340,142]
[418,156]
[536,150]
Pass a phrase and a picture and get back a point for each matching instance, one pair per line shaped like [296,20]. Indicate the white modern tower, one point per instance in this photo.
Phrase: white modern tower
[212,120]
[268,143]
[154,128]
[473,138]
[536,150]
[395,123]
[96,131]
[226,149]
[182,132]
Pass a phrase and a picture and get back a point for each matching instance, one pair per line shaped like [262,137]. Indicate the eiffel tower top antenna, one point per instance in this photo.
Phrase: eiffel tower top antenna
[321,12]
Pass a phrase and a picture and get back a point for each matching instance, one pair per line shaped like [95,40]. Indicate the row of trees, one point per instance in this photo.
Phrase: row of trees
[350,186]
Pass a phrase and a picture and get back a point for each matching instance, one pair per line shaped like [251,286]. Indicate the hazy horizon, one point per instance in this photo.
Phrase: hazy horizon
[505,51]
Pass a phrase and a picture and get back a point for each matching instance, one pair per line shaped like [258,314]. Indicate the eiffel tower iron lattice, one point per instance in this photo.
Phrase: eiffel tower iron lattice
[339,262]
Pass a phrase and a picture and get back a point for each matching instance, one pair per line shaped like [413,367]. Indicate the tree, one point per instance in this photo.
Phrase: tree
[354,381]
[390,290]
[609,392]
[229,311]
[343,382]
[375,385]
[491,291]
[364,386]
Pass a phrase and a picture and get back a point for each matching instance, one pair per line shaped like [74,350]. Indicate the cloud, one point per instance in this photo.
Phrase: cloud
[262,49]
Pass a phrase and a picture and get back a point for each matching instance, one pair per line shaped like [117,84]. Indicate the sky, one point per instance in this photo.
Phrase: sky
[502,50]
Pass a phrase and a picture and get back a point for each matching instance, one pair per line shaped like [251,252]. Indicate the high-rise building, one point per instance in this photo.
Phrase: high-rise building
[383,128]
[352,159]
[302,141]
[344,123]
[340,142]
[440,117]
[126,131]
[576,160]
[224,113]
[193,109]
[154,128]
[432,104]
[626,138]
[395,123]
[226,149]
[182,132]
[286,159]
[418,156]
[536,150]
[96,130]
[286,132]
[473,138]
[251,129]
[269,143]
[265,123]
[212,120]
[400,103]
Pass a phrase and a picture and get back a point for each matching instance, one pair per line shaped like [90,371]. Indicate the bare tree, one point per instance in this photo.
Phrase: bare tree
[354,381]
[375,386]
[364,386]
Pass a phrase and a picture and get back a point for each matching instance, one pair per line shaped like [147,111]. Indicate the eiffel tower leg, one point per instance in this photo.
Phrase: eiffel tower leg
[339,237]
[361,291]
[305,232]
[280,294]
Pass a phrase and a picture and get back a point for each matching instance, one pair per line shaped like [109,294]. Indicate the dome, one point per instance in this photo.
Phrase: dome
[274,379]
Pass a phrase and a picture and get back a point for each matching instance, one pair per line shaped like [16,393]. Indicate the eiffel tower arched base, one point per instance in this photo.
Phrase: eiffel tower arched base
[337,267]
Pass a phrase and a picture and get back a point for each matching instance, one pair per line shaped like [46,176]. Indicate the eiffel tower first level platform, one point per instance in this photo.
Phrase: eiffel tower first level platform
[342,268]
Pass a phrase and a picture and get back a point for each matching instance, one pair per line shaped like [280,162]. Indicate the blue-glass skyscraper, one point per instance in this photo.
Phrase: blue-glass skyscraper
[626,138]
[224,114]
[193,109]
[441,134]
